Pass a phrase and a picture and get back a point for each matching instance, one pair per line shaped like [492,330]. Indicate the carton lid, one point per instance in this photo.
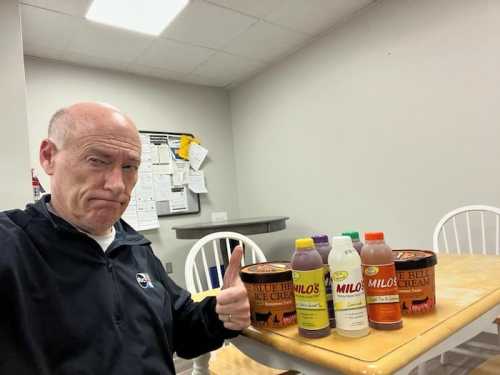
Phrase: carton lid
[407,259]
[266,272]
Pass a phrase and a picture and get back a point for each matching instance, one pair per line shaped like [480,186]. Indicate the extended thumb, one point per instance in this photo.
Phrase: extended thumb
[233,268]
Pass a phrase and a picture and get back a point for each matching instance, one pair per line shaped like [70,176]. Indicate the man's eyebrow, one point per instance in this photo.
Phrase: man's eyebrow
[99,152]
[106,155]
[134,159]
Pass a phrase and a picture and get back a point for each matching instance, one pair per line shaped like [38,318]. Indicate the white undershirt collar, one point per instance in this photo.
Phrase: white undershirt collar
[103,240]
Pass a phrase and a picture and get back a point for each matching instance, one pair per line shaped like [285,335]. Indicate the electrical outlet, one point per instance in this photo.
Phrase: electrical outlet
[168,267]
[219,216]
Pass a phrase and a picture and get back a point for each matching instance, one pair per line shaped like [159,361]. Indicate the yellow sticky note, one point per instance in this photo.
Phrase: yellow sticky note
[185,142]
[183,150]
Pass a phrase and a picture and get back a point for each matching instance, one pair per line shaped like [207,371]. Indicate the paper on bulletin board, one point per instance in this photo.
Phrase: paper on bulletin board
[162,169]
[155,156]
[162,186]
[178,200]
[196,182]
[197,155]
[164,156]
[147,215]
[141,212]
[180,173]
[130,214]
[174,142]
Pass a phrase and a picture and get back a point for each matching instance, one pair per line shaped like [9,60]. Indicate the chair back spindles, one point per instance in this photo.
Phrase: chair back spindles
[445,238]
[243,257]
[194,282]
[217,261]
[469,235]
[228,248]
[483,235]
[476,218]
[496,234]
[205,266]
[457,242]
[197,275]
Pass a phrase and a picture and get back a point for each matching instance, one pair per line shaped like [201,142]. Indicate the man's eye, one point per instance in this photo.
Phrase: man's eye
[130,167]
[97,162]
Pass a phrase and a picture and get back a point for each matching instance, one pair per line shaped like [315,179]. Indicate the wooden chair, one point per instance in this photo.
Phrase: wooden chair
[205,253]
[461,224]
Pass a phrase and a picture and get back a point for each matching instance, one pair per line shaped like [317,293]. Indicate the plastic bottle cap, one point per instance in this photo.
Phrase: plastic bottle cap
[320,238]
[353,235]
[373,236]
[304,243]
[341,242]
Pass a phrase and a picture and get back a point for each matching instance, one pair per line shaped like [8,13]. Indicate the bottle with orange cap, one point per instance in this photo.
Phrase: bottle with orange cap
[381,286]
[309,290]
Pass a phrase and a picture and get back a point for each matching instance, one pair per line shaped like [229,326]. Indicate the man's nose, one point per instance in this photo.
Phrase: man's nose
[114,180]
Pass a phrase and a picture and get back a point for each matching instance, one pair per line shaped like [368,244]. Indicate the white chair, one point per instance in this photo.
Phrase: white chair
[462,218]
[208,252]
[462,223]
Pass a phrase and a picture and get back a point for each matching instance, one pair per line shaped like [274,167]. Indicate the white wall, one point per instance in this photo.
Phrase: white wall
[386,123]
[153,105]
[15,186]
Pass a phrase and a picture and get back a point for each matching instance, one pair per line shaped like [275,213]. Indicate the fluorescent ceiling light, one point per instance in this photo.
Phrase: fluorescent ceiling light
[145,16]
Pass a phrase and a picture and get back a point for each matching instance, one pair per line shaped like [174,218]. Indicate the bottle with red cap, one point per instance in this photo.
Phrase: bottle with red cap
[381,287]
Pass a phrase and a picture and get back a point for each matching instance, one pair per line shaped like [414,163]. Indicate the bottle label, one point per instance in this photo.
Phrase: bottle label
[310,299]
[350,302]
[382,295]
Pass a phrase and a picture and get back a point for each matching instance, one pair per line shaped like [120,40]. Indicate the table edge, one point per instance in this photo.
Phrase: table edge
[389,362]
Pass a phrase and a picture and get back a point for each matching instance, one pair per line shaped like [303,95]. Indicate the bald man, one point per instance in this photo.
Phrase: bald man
[82,292]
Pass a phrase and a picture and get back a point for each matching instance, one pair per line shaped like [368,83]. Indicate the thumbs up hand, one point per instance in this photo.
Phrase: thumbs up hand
[232,305]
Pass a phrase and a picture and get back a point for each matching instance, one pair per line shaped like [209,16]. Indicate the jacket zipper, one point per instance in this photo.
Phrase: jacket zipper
[118,313]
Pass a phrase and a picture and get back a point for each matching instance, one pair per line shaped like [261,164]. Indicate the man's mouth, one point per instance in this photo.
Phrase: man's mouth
[111,202]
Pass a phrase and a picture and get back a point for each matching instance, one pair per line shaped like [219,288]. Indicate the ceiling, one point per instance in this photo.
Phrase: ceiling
[212,42]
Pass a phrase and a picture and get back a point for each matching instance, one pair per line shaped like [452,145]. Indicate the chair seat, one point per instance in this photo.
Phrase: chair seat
[489,367]
[228,360]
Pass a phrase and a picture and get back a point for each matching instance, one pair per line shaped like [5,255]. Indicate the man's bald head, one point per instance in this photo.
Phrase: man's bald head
[77,117]
[92,156]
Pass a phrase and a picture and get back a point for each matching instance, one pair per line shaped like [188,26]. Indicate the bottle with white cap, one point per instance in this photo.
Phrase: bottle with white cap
[347,287]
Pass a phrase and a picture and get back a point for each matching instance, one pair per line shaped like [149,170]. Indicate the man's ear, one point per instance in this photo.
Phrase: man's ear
[48,152]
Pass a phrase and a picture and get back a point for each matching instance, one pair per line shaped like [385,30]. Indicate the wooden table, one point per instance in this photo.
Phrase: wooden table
[468,300]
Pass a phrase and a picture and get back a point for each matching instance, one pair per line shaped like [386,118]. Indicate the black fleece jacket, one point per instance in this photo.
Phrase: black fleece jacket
[68,308]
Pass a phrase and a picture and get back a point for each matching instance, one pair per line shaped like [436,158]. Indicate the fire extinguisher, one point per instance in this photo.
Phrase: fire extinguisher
[37,188]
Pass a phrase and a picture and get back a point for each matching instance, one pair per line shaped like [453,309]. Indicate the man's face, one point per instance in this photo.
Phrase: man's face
[94,173]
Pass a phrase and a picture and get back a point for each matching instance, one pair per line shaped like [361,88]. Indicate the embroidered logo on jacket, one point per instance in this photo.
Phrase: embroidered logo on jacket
[144,280]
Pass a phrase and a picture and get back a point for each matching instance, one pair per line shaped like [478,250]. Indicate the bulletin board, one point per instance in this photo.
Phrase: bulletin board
[167,185]
[172,199]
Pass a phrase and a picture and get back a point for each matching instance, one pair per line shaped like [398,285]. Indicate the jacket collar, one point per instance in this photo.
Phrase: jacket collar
[125,234]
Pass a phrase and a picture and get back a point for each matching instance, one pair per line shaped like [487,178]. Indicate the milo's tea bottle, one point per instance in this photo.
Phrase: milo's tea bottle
[356,243]
[324,248]
[381,286]
[348,291]
[309,290]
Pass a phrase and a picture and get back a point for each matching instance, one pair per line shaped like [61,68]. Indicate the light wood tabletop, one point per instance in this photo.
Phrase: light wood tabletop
[467,287]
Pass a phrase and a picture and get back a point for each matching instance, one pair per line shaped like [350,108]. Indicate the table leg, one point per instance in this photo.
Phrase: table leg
[274,358]
[422,368]
[200,365]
